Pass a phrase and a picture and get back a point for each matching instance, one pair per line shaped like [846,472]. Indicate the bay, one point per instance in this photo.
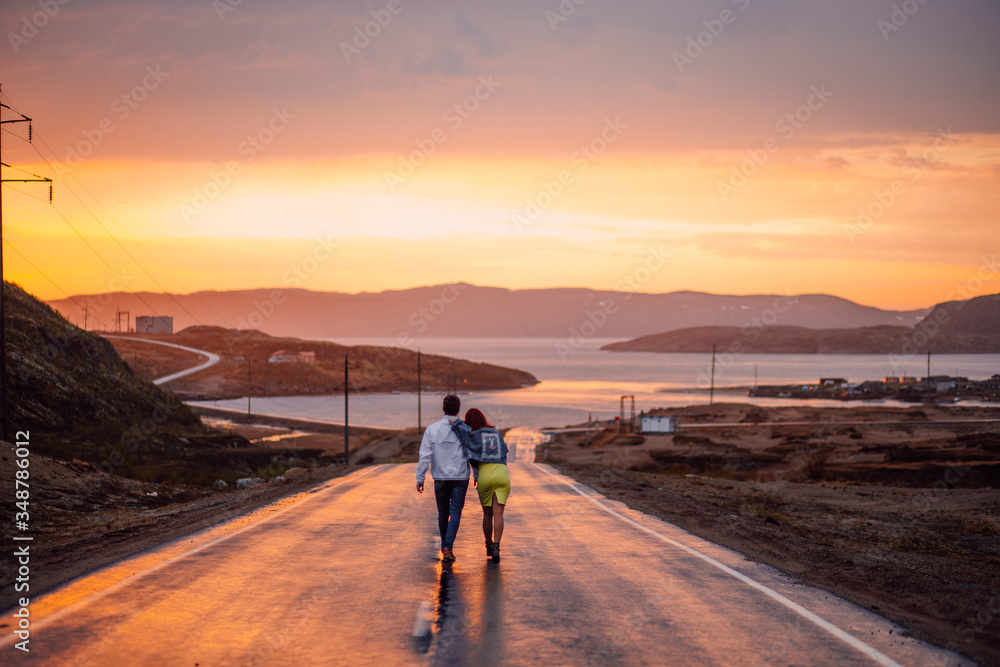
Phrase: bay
[580,382]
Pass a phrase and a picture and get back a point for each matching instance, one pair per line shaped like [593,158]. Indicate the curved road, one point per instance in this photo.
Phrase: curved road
[212,358]
[348,574]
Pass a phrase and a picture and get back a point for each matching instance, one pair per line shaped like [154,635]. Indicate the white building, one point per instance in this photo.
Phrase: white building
[158,324]
[286,357]
[659,424]
[282,357]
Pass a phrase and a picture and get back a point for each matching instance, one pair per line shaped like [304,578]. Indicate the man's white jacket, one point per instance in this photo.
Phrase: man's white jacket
[442,451]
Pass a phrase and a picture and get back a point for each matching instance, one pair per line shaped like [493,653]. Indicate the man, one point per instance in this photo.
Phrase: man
[441,450]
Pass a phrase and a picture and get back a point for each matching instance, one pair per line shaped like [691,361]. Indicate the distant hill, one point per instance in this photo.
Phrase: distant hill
[958,327]
[374,369]
[463,310]
[978,316]
[799,340]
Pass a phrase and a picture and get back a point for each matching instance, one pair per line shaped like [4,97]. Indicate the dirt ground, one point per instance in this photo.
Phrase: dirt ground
[901,517]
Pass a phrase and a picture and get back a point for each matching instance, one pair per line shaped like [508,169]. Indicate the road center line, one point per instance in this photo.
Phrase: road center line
[52,618]
[854,642]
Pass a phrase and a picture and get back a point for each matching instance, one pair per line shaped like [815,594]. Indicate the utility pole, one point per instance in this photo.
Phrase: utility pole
[249,383]
[347,422]
[3,284]
[420,426]
[711,391]
[347,427]
[454,382]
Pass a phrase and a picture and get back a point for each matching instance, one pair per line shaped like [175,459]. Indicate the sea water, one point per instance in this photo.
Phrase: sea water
[579,381]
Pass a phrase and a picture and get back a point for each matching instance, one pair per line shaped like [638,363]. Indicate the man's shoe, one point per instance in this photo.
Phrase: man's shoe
[447,555]
[495,552]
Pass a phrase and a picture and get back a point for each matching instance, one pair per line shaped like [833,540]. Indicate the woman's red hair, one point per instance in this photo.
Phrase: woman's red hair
[476,420]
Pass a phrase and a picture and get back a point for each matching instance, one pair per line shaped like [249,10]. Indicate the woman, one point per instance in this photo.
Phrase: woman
[488,455]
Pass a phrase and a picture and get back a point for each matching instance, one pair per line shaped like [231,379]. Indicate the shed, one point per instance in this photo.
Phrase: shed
[659,424]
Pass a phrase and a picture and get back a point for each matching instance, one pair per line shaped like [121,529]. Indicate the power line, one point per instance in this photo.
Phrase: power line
[100,257]
[146,252]
[28,194]
[54,284]
[119,243]
[167,293]
[115,239]
[120,226]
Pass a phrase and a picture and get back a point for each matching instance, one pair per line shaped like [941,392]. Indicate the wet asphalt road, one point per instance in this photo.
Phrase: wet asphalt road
[348,574]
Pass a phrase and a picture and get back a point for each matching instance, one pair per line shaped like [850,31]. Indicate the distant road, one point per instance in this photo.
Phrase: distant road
[212,358]
[348,573]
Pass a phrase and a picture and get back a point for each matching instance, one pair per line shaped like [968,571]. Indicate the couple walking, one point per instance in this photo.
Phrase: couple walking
[450,447]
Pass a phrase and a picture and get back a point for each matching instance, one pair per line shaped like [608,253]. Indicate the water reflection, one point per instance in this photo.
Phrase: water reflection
[452,621]
[490,647]
[522,443]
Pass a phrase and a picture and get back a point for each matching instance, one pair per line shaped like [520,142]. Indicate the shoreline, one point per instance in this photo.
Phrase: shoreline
[295,423]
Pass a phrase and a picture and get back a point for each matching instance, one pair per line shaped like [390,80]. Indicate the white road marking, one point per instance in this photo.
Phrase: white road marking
[212,358]
[854,642]
[52,618]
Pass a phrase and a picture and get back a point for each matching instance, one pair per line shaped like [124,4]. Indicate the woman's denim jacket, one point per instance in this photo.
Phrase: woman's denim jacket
[485,445]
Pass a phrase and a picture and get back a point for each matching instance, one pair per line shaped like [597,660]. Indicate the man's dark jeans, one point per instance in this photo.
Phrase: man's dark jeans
[450,496]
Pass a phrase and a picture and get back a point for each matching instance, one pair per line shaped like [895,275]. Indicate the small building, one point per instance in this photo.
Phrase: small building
[993,384]
[286,357]
[282,357]
[896,381]
[832,383]
[659,424]
[154,324]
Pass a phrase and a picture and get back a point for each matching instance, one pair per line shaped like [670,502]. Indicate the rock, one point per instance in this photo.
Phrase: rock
[292,472]
[246,482]
[280,479]
[220,485]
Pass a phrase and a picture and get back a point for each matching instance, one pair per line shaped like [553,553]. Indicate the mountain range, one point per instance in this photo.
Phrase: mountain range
[463,310]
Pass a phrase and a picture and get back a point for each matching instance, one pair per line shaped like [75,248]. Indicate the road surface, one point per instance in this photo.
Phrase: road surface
[348,574]
[212,358]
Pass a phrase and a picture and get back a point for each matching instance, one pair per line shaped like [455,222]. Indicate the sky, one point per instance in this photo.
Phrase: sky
[782,146]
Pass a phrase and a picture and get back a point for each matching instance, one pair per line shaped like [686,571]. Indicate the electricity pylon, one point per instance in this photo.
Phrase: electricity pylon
[3,291]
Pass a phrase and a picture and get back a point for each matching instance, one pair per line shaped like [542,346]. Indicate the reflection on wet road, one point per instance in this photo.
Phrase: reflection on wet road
[522,443]
[348,574]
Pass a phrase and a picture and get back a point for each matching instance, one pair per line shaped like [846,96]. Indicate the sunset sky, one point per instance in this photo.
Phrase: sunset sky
[236,144]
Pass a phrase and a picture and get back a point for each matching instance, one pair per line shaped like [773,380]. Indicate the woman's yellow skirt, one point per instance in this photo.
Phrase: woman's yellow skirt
[493,479]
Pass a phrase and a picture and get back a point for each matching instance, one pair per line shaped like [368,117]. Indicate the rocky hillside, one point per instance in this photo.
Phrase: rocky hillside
[82,404]
[66,383]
